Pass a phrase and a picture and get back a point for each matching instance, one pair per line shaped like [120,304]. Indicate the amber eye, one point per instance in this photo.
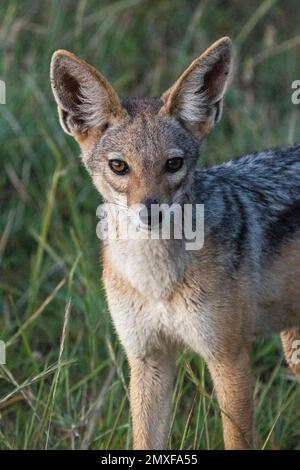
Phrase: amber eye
[174,164]
[118,166]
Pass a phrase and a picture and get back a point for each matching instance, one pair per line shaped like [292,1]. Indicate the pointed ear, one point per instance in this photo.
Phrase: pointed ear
[196,98]
[87,104]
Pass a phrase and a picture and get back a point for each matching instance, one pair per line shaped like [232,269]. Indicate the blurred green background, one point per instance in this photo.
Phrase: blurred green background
[65,381]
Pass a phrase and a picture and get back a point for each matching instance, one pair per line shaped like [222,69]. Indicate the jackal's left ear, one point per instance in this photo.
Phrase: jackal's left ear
[196,97]
[87,103]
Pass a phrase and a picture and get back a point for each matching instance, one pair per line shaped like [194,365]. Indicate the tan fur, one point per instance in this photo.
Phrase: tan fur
[87,140]
[107,106]
[112,97]
[233,385]
[214,84]
[161,295]
[150,395]
[175,320]
[170,95]
[279,294]
[287,338]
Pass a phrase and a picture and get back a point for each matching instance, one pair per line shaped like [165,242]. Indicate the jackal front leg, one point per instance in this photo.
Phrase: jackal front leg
[150,399]
[233,385]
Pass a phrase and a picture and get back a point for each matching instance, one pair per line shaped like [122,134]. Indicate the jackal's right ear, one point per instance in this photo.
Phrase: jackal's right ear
[87,104]
[196,97]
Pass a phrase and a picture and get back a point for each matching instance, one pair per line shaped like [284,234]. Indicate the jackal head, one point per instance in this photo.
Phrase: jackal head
[144,150]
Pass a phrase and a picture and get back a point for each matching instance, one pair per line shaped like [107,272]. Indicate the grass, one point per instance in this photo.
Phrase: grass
[65,383]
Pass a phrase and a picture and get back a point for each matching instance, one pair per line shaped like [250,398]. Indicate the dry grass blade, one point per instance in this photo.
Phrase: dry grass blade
[95,413]
[59,362]
[27,396]
[17,183]
[6,232]
[277,49]
[259,13]
[33,380]
[38,312]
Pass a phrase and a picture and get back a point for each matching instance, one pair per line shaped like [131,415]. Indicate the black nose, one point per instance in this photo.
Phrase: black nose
[146,213]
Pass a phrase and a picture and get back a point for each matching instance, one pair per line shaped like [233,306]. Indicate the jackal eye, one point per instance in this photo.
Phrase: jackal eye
[118,166]
[174,164]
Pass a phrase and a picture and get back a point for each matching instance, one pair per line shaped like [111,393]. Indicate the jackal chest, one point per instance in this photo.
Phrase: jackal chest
[145,326]
[144,323]
[152,267]
[156,297]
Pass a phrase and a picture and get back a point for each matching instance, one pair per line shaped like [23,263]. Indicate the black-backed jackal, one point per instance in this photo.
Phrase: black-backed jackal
[245,279]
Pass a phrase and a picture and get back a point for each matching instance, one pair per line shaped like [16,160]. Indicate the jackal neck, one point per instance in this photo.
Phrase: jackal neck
[152,266]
